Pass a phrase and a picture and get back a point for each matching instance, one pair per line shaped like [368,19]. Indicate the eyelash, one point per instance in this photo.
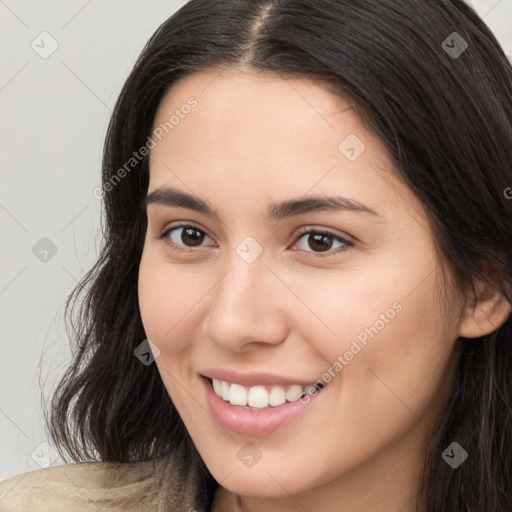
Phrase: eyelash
[298,236]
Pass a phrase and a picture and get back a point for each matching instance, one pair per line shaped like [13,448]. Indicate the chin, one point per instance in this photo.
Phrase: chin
[262,480]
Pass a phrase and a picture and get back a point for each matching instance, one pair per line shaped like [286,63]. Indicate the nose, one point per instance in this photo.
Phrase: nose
[247,307]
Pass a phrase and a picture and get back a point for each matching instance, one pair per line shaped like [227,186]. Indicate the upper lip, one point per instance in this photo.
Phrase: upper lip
[254,378]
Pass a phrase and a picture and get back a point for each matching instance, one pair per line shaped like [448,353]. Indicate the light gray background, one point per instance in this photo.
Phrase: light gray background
[53,116]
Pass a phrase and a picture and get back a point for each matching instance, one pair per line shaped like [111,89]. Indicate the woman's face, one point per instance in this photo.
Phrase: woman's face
[254,290]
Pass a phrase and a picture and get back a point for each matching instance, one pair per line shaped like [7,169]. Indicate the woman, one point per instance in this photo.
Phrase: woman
[303,299]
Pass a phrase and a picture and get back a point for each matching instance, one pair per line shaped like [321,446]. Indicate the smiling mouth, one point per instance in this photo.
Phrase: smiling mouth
[234,412]
[262,397]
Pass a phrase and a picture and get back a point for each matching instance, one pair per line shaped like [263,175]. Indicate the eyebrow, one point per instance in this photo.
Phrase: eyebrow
[167,196]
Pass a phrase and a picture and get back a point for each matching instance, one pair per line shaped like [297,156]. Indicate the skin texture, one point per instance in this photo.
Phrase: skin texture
[251,140]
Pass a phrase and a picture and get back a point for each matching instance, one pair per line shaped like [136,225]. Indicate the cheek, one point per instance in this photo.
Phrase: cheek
[173,302]
[396,349]
[164,298]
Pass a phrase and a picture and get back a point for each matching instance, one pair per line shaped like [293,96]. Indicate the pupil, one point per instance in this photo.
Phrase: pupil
[196,240]
[317,241]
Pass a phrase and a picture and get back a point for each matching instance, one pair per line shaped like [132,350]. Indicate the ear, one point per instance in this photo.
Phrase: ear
[487,313]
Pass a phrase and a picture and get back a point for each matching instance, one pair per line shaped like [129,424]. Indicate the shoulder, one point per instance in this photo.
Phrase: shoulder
[93,486]
[84,486]
[64,487]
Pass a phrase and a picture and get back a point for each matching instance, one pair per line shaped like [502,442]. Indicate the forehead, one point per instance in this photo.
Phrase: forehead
[261,124]
[220,89]
[244,140]
[255,107]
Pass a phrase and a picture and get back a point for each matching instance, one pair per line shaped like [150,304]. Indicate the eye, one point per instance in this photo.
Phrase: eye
[321,240]
[192,237]
[189,235]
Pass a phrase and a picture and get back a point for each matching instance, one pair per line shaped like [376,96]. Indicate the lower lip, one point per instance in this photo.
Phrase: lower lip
[253,423]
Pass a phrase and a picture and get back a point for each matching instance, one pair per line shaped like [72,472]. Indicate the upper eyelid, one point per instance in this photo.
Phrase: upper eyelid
[301,230]
[186,224]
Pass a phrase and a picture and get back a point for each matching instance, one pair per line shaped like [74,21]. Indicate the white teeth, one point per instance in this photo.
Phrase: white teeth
[224,390]
[237,395]
[293,393]
[277,396]
[216,387]
[257,397]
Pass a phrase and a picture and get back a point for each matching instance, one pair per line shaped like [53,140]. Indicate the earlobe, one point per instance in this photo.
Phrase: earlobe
[486,314]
